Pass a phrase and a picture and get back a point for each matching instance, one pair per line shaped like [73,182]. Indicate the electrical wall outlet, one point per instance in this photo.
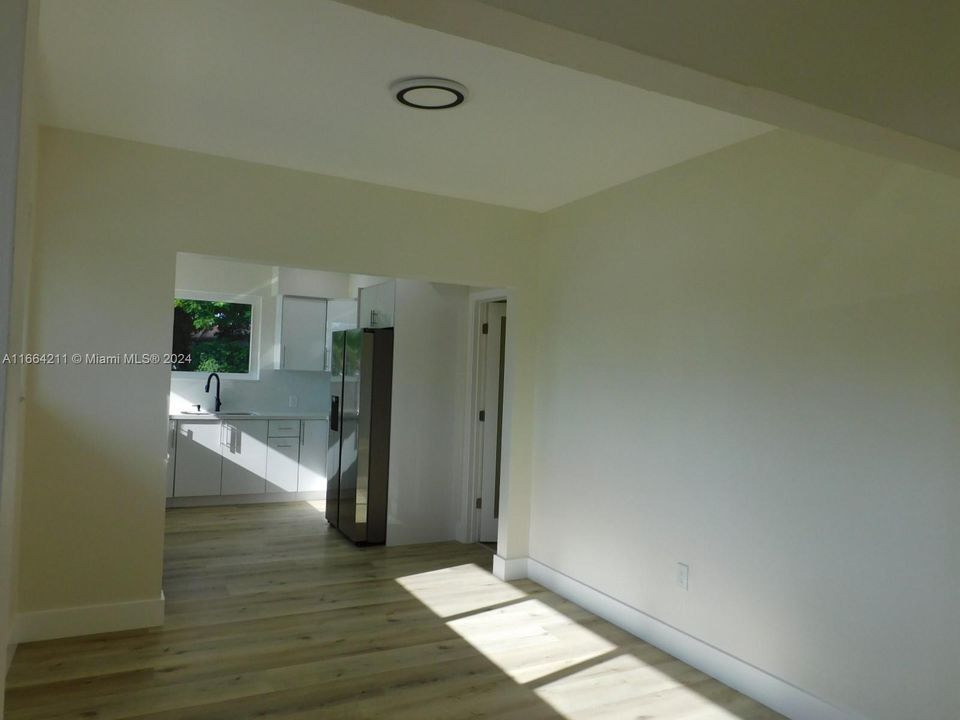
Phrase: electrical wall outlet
[683,575]
[294,401]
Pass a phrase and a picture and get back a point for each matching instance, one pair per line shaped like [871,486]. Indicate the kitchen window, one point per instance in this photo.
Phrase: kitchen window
[216,333]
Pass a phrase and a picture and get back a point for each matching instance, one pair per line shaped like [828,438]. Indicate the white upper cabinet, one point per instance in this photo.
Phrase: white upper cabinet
[244,445]
[303,327]
[377,305]
[341,315]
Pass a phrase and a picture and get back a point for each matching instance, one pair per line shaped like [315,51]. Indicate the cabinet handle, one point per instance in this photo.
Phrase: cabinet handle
[302,432]
[283,356]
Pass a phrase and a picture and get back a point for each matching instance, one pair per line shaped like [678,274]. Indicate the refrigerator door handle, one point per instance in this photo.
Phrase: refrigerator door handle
[335,413]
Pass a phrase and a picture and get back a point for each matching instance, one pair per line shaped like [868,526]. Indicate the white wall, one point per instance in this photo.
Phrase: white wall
[426,424]
[751,363]
[313,283]
[112,216]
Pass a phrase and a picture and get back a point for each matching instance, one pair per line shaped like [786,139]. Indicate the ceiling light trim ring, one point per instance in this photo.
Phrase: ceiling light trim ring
[401,88]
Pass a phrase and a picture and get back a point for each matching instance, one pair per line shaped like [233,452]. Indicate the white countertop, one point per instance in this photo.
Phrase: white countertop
[266,415]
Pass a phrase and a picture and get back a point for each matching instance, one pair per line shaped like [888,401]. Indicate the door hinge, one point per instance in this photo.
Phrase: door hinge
[483,415]
[485,328]
[479,503]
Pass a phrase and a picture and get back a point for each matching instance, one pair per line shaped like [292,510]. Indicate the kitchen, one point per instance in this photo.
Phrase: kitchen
[265,404]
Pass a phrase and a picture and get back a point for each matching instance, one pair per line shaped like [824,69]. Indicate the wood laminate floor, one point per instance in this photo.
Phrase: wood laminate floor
[270,614]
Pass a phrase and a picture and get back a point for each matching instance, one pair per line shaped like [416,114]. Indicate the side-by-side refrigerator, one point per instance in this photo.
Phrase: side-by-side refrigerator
[358,455]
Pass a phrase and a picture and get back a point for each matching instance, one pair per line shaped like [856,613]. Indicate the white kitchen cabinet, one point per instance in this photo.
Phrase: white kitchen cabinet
[313,456]
[198,458]
[171,455]
[264,457]
[244,451]
[303,327]
[341,315]
[283,457]
[285,428]
[377,305]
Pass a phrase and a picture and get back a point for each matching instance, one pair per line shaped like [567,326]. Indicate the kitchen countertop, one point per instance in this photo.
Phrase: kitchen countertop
[266,415]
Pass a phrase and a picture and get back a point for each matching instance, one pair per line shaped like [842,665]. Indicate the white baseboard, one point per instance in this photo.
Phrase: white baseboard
[758,684]
[88,620]
[513,569]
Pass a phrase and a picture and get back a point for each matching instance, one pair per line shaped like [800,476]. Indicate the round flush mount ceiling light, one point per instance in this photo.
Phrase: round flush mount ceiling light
[429,93]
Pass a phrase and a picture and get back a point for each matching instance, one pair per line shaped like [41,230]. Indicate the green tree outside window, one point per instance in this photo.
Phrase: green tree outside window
[214,334]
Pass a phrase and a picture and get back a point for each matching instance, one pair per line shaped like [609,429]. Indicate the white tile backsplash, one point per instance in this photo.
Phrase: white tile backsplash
[271,393]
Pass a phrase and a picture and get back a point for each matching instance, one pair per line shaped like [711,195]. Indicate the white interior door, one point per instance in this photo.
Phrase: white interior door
[492,406]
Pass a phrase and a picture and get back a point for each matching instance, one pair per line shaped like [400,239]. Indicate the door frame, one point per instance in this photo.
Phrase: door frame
[473,430]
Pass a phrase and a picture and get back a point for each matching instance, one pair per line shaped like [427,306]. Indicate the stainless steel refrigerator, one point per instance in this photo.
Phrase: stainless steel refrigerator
[358,455]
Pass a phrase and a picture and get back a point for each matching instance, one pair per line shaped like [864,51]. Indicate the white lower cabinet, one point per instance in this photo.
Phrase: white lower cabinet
[244,451]
[283,458]
[171,455]
[198,458]
[247,457]
[313,456]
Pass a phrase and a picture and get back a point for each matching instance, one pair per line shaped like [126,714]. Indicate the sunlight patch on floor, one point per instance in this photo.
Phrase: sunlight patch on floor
[459,589]
[577,672]
[319,505]
[529,639]
[625,688]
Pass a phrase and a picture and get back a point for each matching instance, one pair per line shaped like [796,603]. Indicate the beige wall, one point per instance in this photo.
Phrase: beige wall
[112,216]
[17,187]
[750,363]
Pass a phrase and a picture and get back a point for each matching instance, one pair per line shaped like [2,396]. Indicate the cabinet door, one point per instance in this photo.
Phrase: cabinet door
[303,327]
[283,455]
[377,305]
[171,455]
[313,456]
[198,458]
[244,457]
[341,315]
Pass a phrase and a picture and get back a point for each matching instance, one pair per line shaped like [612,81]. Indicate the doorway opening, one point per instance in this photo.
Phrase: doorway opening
[491,352]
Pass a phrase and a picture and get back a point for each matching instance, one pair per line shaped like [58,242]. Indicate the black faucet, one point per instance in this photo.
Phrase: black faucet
[207,389]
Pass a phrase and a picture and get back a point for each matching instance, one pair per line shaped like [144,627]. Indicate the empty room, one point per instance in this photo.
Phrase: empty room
[513,359]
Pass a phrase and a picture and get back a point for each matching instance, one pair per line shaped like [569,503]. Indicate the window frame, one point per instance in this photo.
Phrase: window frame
[254,301]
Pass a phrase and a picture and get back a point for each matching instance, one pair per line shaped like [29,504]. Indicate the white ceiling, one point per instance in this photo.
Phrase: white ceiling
[303,84]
